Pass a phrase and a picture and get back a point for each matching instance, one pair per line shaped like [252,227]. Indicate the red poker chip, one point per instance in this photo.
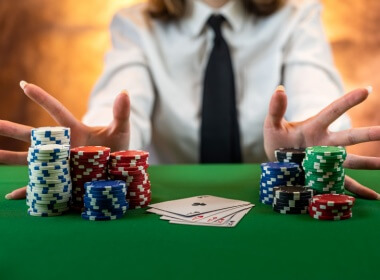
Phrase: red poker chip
[128,173]
[333,199]
[331,218]
[138,184]
[139,205]
[322,207]
[138,200]
[132,207]
[328,213]
[134,168]
[87,156]
[91,150]
[136,193]
[88,164]
[131,154]
[138,196]
[126,165]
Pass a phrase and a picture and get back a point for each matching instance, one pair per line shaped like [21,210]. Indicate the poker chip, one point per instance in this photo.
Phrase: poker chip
[131,167]
[295,155]
[49,188]
[50,135]
[87,164]
[331,207]
[291,199]
[104,200]
[323,166]
[277,174]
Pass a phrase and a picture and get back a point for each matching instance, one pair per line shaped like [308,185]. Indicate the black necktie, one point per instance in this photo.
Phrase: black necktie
[220,140]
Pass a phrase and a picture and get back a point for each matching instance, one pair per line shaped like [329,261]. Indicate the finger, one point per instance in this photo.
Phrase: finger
[355,136]
[362,162]
[17,194]
[340,106]
[357,188]
[277,108]
[55,109]
[13,158]
[15,130]
[121,111]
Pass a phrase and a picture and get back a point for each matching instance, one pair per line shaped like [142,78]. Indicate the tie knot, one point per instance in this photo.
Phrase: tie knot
[215,21]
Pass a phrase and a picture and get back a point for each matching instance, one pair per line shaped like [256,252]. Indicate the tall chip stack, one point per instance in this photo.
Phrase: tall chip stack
[87,163]
[131,166]
[295,155]
[49,188]
[324,170]
[104,200]
[277,174]
[331,207]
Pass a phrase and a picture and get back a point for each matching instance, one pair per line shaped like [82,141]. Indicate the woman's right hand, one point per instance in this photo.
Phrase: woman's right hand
[116,135]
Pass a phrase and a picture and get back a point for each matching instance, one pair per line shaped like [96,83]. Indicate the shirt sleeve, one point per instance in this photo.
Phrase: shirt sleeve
[125,68]
[310,77]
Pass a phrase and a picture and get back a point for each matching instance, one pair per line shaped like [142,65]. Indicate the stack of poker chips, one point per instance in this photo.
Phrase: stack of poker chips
[292,155]
[49,188]
[131,166]
[277,174]
[104,200]
[331,207]
[324,170]
[87,163]
[291,199]
[50,135]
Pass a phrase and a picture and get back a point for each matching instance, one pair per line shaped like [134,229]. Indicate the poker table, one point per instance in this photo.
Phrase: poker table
[264,245]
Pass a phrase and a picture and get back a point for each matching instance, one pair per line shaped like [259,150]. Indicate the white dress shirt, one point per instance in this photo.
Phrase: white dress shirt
[162,67]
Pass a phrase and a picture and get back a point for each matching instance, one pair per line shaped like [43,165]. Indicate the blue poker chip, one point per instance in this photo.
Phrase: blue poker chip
[105,213]
[285,166]
[107,192]
[105,206]
[98,218]
[108,196]
[110,208]
[104,199]
[105,185]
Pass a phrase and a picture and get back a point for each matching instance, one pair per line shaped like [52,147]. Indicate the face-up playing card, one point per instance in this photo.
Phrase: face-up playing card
[229,221]
[197,205]
[208,217]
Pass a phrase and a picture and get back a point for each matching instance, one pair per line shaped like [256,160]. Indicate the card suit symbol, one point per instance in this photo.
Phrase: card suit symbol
[199,204]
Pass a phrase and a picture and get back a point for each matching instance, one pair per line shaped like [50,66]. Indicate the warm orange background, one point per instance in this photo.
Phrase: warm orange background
[59,45]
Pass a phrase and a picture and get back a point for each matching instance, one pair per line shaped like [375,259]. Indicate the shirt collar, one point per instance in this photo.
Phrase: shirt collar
[199,13]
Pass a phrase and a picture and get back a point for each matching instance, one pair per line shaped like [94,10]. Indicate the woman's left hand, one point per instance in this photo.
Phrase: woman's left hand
[314,132]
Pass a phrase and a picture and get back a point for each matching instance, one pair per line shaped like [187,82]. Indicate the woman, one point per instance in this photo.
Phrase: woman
[162,52]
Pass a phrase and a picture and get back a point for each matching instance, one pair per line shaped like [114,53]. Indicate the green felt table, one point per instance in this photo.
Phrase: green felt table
[264,244]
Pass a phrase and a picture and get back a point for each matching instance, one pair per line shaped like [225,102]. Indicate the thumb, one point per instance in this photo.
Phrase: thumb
[121,110]
[17,194]
[277,108]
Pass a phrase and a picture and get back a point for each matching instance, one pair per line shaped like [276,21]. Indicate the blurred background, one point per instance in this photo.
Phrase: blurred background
[59,45]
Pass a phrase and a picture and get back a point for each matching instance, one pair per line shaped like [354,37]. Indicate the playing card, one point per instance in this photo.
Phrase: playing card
[197,205]
[209,216]
[229,221]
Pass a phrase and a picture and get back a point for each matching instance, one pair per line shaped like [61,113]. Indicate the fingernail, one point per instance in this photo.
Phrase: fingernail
[9,196]
[369,89]
[124,91]
[378,197]
[280,88]
[23,84]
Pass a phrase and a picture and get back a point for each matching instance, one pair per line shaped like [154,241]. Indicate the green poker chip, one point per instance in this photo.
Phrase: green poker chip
[324,170]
